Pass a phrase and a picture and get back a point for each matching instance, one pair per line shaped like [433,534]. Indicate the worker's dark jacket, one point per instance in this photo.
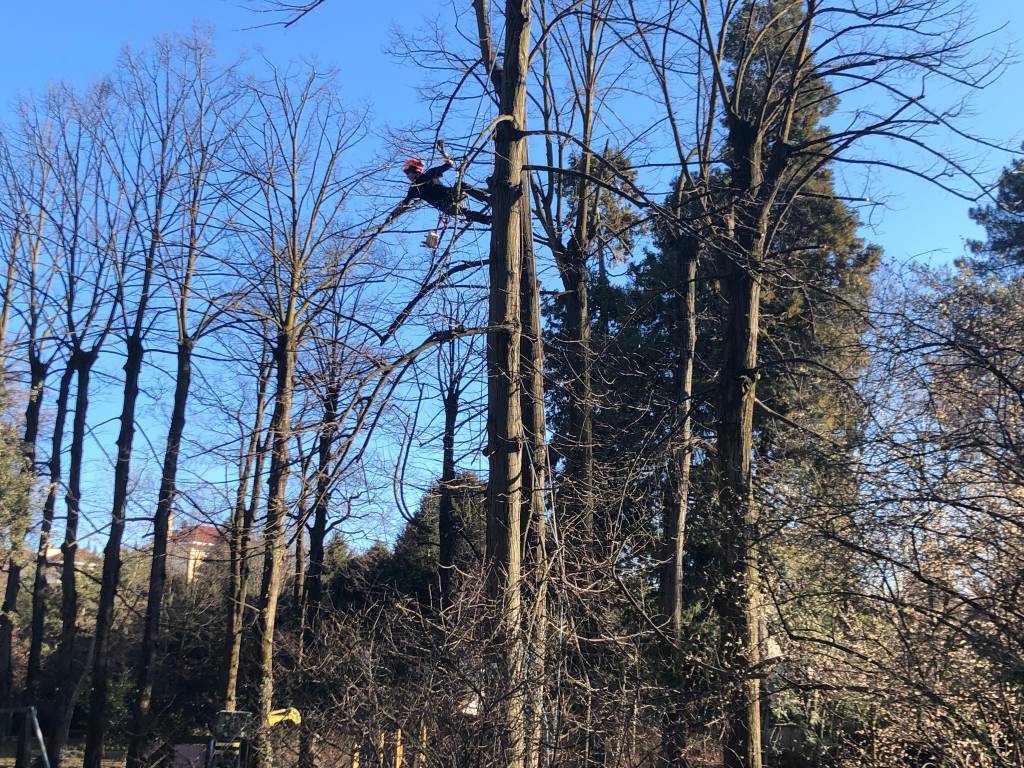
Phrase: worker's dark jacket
[429,188]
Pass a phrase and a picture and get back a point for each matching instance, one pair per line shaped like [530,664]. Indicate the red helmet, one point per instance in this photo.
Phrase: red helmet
[412,164]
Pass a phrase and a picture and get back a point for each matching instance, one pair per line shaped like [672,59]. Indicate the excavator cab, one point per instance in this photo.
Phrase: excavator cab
[230,742]
[230,745]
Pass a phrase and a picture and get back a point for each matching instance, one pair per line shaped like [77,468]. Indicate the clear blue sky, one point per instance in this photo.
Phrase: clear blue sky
[77,40]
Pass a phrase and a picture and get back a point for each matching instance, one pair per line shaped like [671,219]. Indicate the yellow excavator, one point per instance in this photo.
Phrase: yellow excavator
[230,744]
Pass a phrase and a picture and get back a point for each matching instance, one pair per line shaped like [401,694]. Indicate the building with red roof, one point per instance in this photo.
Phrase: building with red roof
[193,548]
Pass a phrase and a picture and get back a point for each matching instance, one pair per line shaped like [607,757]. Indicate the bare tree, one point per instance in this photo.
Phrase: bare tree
[144,153]
[202,129]
[24,179]
[38,317]
[84,225]
[567,211]
[292,150]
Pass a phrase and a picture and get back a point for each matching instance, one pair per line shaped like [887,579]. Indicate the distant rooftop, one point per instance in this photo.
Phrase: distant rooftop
[198,534]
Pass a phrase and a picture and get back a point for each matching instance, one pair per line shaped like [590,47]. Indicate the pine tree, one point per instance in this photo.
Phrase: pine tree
[1003,221]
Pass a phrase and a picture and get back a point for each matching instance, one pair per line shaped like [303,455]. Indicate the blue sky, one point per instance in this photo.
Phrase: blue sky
[77,41]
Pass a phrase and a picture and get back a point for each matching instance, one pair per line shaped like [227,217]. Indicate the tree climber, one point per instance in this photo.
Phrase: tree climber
[427,186]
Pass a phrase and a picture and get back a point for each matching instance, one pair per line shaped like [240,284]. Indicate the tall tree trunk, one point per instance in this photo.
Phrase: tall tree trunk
[8,612]
[13,254]
[69,674]
[577,495]
[45,528]
[535,481]
[678,475]
[112,562]
[38,369]
[592,532]
[299,575]
[299,565]
[738,603]
[738,594]
[313,586]
[38,372]
[33,672]
[299,572]
[273,534]
[447,523]
[579,465]
[760,155]
[587,530]
[142,704]
[239,540]
[504,415]
[111,577]
[677,495]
